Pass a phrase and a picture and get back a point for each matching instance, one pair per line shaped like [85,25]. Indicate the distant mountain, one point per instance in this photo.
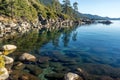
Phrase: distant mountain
[90,16]
[96,17]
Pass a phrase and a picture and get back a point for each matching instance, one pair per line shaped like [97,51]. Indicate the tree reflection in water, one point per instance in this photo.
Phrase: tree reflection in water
[34,40]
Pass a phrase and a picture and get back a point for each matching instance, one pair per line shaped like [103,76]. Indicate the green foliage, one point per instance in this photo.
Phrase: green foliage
[4,7]
[75,6]
[23,10]
[56,6]
[66,6]
[30,9]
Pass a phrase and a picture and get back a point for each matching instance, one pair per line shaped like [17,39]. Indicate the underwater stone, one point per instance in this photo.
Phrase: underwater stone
[72,76]
[43,59]
[55,76]
[18,66]
[27,57]
[34,69]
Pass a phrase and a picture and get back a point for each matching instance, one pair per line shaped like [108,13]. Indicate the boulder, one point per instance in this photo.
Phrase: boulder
[72,76]
[7,49]
[3,74]
[18,66]
[43,59]
[8,60]
[27,57]
[22,75]
[0,53]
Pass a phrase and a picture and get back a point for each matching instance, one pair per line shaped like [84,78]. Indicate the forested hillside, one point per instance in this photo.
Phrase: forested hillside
[30,9]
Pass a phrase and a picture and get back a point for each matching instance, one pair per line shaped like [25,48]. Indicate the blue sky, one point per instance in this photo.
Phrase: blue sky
[110,8]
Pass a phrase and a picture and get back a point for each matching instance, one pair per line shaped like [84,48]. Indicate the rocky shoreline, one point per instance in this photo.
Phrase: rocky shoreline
[26,69]
[14,27]
[28,66]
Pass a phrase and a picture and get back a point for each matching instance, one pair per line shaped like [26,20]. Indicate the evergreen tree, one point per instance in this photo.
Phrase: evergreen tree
[75,6]
[66,6]
[11,6]
[4,7]
[56,6]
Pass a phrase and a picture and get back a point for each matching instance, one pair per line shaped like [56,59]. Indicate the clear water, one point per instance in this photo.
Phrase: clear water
[94,48]
[96,40]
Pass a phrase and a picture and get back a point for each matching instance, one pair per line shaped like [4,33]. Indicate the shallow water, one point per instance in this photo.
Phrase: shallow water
[96,40]
[94,48]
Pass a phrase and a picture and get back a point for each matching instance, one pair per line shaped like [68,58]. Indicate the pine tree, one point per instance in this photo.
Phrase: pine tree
[66,6]
[75,6]
[4,7]
[56,6]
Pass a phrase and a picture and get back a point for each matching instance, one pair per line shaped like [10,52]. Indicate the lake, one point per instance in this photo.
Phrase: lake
[94,48]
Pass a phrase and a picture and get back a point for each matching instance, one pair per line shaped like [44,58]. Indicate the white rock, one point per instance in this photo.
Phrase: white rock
[0,53]
[28,57]
[9,47]
[5,74]
[8,60]
[71,76]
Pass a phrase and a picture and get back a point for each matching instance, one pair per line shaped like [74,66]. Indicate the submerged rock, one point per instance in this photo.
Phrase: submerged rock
[72,76]
[43,59]
[18,66]
[27,57]
[55,76]
[34,69]
[22,75]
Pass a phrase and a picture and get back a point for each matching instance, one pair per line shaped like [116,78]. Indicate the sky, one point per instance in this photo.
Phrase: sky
[105,8]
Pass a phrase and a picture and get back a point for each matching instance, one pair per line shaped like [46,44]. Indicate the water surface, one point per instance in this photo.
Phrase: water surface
[94,48]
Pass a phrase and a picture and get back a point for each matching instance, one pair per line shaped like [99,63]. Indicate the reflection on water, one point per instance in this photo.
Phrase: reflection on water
[94,48]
